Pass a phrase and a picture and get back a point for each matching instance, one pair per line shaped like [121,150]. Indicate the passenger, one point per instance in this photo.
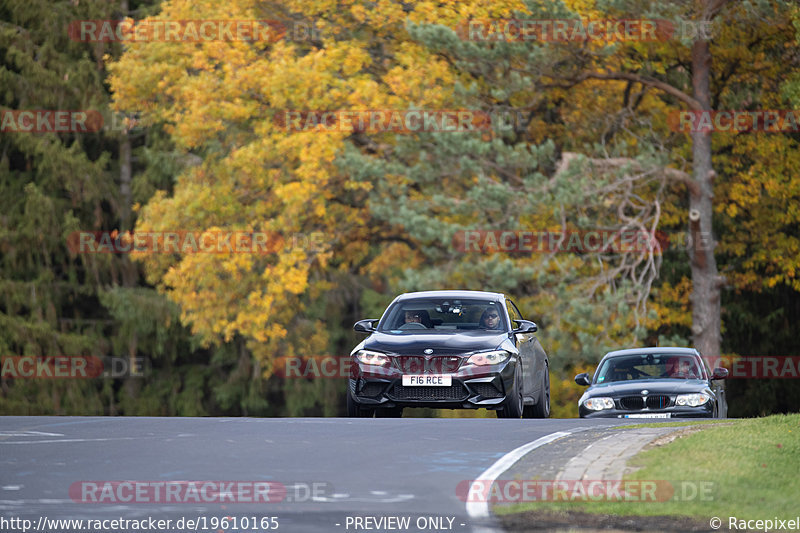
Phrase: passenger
[490,319]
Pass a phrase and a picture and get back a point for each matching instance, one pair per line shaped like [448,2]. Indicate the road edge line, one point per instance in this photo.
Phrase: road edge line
[480,509]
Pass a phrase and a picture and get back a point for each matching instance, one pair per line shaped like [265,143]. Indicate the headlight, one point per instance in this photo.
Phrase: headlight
[598,404]
[373,358]
[692,400]
[489,358]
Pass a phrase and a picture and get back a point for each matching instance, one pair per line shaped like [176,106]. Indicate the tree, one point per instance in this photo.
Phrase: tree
[222,102]
[681,78]
[55,301]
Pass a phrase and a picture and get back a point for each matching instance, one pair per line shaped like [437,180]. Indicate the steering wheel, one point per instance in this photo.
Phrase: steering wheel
[412,325]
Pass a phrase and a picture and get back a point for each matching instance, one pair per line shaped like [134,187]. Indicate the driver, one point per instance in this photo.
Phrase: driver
[679,367]
[417,317]
[413,316]
[490,319]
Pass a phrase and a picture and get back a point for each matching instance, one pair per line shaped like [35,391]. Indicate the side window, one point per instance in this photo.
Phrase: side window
[513,313]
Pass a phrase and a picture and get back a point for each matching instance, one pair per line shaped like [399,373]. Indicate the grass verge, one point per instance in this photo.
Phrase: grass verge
[748,469]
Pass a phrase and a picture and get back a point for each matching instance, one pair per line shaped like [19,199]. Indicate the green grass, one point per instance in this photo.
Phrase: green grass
[752,465]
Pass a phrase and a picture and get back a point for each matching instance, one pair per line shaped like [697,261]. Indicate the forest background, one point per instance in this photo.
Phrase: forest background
[192,140]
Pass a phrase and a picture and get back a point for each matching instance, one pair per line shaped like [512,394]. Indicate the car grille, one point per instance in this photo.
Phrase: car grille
[632,403]
[657,402]
[636,403]
[487,390]
[453,392]
[371,389]
[417,364]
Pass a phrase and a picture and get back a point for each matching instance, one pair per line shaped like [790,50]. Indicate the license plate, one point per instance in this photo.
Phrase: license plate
[649,415]
[429,380]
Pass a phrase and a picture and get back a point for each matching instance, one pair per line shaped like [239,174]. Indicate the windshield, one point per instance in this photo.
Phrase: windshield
[649,366]
[444,315]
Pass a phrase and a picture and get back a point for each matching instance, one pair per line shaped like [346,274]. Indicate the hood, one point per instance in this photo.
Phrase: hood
[635,388]
[441,343]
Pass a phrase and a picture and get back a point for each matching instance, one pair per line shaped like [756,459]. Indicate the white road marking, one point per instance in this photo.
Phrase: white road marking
[48,441]
[490,475]
[29,434]
[376,496]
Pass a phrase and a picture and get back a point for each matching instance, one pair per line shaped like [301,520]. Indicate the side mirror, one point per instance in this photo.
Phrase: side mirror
[365,326]
[720,373]
[525,326]
[583,379]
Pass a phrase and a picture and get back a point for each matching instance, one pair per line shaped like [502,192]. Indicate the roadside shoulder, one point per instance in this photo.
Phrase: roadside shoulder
[595,452]
[591,456]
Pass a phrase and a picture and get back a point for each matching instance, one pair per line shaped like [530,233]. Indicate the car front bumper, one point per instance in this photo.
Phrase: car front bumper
[472,387]
[702,411]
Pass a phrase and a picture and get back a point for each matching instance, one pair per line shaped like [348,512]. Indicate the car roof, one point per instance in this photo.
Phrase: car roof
[450,294]
[677,350]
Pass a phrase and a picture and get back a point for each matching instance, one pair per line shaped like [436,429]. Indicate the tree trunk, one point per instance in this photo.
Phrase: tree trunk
[705,297]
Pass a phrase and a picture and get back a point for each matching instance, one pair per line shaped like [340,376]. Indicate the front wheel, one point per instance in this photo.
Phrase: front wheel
[354,410]
[513,406]
[542,407]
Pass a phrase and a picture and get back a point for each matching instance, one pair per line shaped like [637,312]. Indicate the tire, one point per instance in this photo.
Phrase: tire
[354,410]
[527,411]
[542,407]
[513,406]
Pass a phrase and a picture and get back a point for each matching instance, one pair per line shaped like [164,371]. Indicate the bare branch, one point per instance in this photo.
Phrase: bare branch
[644,80]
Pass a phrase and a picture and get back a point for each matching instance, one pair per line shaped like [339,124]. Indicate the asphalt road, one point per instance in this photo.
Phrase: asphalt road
[334,471]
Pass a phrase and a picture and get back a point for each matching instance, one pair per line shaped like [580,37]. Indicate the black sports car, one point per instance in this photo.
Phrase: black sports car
[449,349]
[653,383]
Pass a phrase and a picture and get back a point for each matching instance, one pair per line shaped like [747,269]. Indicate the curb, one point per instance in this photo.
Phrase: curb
[607,458]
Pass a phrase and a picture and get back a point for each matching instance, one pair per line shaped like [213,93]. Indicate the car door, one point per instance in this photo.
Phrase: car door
[525,342]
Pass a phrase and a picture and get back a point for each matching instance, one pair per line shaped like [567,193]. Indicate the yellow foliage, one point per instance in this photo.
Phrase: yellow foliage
[220,99]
